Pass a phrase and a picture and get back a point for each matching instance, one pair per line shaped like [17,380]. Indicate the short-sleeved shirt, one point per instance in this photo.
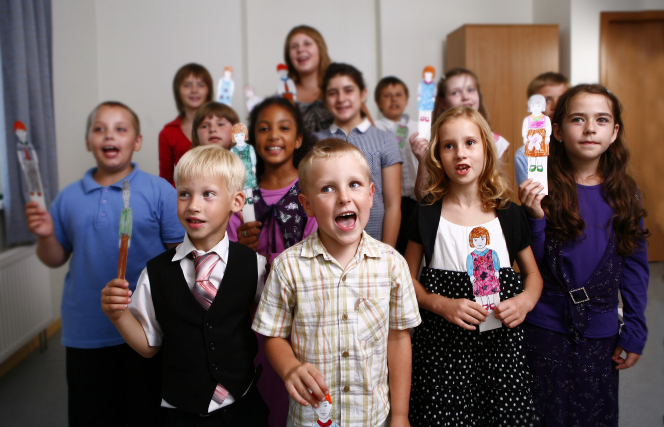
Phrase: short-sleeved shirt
[338,320]
[381,150]
[86,219]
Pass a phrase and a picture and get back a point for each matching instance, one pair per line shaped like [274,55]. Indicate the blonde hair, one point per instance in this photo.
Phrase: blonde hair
[211,109]
[492,185]
[211,161]
[93,114]
[325,60]
[478,232]
[547,79]
[327,149]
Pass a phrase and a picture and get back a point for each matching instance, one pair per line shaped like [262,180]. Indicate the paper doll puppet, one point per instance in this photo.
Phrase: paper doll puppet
[252,99]
[226,87]
[323,411]
[247,154]
[125,230]
[285,86]
[483,267]
[402,130]
[536,133]
[426,99]
[27,157]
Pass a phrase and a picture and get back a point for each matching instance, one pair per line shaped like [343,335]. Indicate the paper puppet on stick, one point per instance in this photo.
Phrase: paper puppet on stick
[285,86]
[252,99]
[483,267]
[226,87]
[426,99]
[125,230]
[247,154]
[323,411]
[27,157]
[536,133]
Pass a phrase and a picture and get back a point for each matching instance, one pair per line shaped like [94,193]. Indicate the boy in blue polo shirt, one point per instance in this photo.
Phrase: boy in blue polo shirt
[83,225]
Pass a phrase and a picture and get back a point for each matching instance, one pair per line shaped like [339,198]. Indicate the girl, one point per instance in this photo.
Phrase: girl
[345,94]
[212,124]
[592,218]
[462,375]
[305,55]
[192,87]
[277,134]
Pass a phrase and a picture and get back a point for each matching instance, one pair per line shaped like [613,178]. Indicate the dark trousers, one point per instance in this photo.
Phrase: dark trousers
[113,386]
[407,205]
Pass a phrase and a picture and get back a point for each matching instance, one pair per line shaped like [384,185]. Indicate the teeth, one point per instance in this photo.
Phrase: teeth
[347,214]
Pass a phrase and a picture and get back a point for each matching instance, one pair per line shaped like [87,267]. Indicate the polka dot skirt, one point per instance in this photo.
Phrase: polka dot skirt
[462,377]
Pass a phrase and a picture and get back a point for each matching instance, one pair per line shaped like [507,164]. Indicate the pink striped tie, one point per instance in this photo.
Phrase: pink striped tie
[204,292]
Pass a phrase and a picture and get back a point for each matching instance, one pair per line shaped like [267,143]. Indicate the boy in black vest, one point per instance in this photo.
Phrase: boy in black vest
[205,339]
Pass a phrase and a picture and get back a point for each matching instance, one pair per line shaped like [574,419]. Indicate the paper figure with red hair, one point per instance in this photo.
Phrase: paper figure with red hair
[483,267]
[252,99]
[426,99]
[536,133]
[226,87]
[247,154]
[126,221]
[27,157]
[285,86]
[323,411]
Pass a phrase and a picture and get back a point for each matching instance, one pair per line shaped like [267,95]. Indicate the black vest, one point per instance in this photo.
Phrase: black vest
[204,347]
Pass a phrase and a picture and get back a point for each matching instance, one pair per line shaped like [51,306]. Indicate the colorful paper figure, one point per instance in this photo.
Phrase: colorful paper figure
[402,130]
[125,230]
[27,157]
[323,411]
[536,133]
[426,99]
[252,99]
[247,154]
[285,86]
[483,267]
[226,87]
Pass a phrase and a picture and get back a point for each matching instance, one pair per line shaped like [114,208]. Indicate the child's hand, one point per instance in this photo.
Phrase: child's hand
[302,379]
[247,233]
[114,298]
[40,222]
[461,312]
[512,312]
[418,146]
[531,199]
[627,362]
[399,421]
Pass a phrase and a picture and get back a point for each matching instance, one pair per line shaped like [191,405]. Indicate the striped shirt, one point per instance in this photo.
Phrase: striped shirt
[381,150]
[338,320]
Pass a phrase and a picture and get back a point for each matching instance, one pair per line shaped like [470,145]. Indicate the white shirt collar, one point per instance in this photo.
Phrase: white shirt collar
[186,247]
[362,127]
[389,124]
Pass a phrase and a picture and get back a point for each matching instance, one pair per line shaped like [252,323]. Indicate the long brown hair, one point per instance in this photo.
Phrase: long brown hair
[621,192]
[442,88]
[185,71]
[492,185]
[322,52]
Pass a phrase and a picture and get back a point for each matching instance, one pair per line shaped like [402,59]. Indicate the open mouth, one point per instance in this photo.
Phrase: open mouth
[195,222]
[110,151]
[274,149]
[346,220]
[462,169]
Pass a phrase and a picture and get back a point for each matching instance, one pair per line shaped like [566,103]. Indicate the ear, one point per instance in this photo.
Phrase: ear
[372,190]
[557,132]
[237,201]
[306,204]
[87,144]
[138,143]
[298,141]
[364,95]
[616,128]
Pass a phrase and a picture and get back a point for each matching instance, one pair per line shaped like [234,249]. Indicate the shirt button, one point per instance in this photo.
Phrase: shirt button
[103,214]
[212,346]
[208,326]
[345,354]
[346,389]
[215,366]
[344,316]
[103,201]
[344,278]
[105,190]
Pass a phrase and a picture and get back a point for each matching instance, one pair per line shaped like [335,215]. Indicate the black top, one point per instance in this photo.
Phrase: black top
[424,220]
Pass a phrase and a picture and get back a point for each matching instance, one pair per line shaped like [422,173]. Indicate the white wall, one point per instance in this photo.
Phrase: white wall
[558,12]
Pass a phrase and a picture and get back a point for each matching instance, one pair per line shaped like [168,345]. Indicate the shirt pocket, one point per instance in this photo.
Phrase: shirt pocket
[372,321]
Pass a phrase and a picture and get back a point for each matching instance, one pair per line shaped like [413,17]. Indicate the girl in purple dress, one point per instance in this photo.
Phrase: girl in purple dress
[590,244]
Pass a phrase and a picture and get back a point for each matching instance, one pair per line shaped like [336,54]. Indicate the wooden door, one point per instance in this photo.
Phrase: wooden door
[632,67]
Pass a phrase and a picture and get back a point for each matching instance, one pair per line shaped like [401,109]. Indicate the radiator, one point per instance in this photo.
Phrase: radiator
[26,306]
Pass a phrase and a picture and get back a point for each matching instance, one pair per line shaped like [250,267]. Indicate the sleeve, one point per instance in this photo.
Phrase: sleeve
[634,293]
[166,157]
[404,310]
[538,237]
[501,145]
[231,229]
[59,214]
[520,166]
[262,262]
[169,224]
[390,153]
[142,308]
[274,316]
[496,260]
[524,231]
[469,265]
[413,228]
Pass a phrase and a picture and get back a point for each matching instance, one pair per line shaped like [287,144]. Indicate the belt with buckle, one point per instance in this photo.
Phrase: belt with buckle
[571,294]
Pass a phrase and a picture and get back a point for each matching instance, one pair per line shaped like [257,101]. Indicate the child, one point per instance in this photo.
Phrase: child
[589,242]
[462,375]
[212,125]
[192,87]
[206,342]
[345,300]
[83,223]
[345,93]
[551,86]
[392,98]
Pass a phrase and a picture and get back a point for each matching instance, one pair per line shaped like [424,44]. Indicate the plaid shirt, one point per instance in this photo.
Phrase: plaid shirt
[338,320]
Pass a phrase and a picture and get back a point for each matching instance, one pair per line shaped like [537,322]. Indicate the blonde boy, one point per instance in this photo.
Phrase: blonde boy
[345,299]
[193,302]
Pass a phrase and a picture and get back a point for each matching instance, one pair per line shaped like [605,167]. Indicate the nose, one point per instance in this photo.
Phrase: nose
[213,129]
[344,196]
[461,152]
[193,205]
[464,95]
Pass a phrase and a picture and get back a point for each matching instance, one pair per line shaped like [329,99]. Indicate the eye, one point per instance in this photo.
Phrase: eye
[577,120]
[284,128]
[203,126]
[354,185]
[183,194]
[262,129]
[326,189]
[603,120]
[471,142]
[97,129]
[121,129]
[447,146]
[208,193]
[455,93]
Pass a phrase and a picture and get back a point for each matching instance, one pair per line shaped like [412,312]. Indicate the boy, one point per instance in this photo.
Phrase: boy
[192,303]
[83,225]
[551,86]
[345,299]
[391,96]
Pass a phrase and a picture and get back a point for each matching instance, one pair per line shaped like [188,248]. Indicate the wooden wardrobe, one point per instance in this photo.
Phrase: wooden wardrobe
[505,58]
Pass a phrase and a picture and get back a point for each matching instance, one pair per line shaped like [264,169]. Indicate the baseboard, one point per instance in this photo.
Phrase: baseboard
[27,349]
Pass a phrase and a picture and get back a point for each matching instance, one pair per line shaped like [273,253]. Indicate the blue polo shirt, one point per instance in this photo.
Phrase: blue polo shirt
[86,218]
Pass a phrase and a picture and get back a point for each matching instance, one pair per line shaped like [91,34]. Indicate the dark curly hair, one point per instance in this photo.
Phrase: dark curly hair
[294,110]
